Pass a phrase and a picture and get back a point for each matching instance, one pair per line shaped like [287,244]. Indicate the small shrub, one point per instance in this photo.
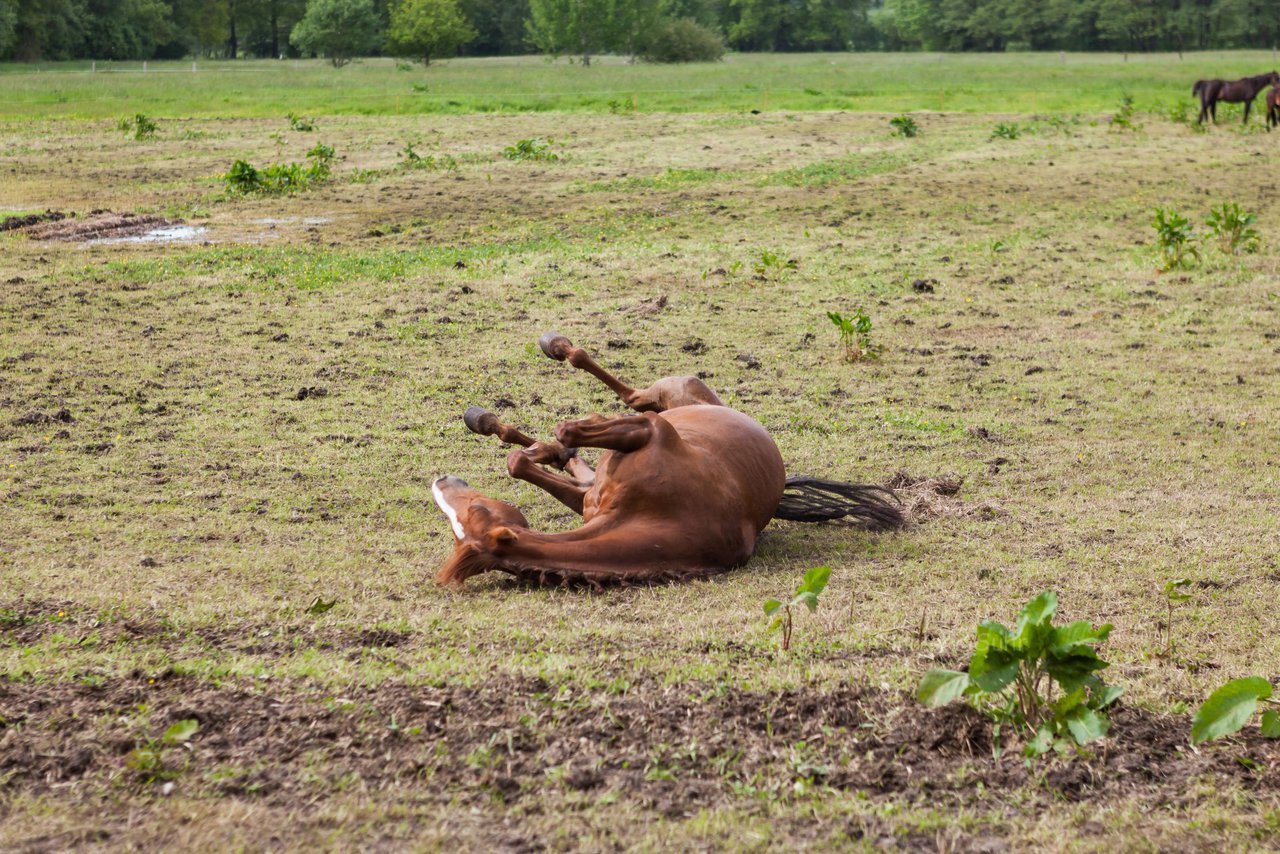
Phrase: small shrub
[624,106]
[1175,239]
[815,581]
[279,178]
[138,126]
[682,40]
[855,335]
[1124,119]
[904,126]
[1040,679]
[1233,228]
[1006,131]
[531,149]
[1228,709]
[300,124]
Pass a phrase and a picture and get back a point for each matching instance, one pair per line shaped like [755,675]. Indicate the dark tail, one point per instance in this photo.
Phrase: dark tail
[810,499]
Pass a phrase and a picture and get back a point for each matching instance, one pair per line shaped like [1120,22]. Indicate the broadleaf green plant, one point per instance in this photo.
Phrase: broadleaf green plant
[1228,709]
[904,126]
[855,335]
[1039,678]
[1174,239]
[147,759]
[1233,228]
[815,581]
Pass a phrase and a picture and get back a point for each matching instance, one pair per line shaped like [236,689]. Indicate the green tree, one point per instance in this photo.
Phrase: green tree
[427,28]
[337,29]
[8,25]
[558,27]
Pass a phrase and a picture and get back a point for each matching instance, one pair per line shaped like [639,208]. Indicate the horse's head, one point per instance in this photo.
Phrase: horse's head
[482,528]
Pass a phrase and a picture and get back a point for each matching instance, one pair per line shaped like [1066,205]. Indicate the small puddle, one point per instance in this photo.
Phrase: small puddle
[163,234]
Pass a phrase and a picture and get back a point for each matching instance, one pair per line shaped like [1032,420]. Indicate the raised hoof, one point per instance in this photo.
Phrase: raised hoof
[480,420]
[555,345]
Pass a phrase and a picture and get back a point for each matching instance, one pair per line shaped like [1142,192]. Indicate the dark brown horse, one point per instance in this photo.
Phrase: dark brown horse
[1233,92]
[682,490]
[1273,107]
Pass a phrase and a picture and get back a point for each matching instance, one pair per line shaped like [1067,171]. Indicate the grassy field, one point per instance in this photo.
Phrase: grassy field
[979,83]
[174,503]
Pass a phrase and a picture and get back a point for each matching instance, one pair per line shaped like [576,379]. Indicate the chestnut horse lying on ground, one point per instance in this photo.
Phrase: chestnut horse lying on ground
[682,490]
[1233,92]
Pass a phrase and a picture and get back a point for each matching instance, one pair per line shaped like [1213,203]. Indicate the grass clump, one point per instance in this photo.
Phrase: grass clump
[279,178]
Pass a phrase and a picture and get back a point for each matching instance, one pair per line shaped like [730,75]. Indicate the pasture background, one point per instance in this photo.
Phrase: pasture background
[160,551]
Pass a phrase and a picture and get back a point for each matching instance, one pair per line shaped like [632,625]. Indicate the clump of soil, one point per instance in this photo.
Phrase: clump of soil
[18,222]
[925,498]
[96,226]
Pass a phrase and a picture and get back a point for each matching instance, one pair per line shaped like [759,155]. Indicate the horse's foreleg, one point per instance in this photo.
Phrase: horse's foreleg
[626,434]
[485,423]
[1247,106]
[562,350]
[525,464]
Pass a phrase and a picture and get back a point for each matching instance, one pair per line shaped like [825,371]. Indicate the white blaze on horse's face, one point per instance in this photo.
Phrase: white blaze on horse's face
[444,505]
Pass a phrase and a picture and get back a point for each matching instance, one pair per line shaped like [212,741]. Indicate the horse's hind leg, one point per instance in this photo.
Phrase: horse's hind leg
[626,434]
[666,393]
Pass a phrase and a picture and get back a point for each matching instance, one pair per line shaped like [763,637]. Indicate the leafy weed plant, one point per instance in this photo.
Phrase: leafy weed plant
[772,263]
[904,126]
[1004,130]
[1173,595]
[138,126]
[1233,228]
[1175,240]
[815,581]
[1040,679]
[855,335]
[531,149]
[1228,709]
[280,178]
[300,124]
[148,758]
[429,162]
[1125,119]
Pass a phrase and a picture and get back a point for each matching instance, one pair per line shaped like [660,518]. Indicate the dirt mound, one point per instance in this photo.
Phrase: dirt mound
[925,498]
[97,226]
[14,223]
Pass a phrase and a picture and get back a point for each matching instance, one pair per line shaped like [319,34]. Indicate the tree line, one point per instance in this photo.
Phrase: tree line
[32,30]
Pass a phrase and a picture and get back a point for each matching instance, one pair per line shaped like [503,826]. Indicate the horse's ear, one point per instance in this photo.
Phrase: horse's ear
[500,539]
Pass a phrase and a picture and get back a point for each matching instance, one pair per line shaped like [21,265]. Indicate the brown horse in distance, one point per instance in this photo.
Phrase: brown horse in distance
[1273,107]
[1233,92]
[682,490]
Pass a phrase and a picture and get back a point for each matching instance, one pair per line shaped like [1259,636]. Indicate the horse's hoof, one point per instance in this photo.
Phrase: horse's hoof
[555,345]
[480,420]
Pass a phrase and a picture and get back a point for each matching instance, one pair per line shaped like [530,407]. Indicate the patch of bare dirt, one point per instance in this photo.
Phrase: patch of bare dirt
[96,226]
[672,749]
